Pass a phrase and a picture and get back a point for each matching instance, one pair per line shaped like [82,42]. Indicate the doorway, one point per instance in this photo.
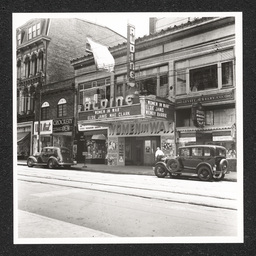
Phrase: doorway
[141,150]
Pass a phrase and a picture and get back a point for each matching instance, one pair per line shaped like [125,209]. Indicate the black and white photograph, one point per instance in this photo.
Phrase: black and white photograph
[128,128]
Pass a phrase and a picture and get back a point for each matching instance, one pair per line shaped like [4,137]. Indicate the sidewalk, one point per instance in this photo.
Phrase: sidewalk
[31,225]
[134,170]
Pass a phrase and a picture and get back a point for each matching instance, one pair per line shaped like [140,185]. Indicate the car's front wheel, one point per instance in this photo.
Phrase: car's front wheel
[160,171]
[30,162]
[204,173]
[51,164]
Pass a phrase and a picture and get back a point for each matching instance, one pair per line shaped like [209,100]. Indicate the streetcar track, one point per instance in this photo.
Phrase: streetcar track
[123,186]
[134,195]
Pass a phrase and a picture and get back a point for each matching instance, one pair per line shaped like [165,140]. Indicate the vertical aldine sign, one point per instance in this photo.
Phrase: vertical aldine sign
[131,55]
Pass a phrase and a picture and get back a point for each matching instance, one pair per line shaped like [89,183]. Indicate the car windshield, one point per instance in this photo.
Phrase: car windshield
[64,151]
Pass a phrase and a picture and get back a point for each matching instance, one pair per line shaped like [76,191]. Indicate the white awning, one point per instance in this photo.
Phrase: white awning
[98,137]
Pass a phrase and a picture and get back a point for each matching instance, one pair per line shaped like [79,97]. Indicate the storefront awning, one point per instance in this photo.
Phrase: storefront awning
[98,137]
[22,136]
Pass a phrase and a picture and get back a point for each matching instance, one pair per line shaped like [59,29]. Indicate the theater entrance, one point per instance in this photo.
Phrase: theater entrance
[141,150]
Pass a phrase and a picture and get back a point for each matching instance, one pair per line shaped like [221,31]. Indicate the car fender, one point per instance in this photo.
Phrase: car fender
[204,163]
[33,158]
[53,158]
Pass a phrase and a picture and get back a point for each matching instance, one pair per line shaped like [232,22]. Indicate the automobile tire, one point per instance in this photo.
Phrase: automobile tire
[30,162]
[173,165]
[204,173]
[51,164]
[223,165]
[219,177]
[160,171]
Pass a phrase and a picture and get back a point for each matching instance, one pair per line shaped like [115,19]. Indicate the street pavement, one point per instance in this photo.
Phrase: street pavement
[135,170]
[47,227]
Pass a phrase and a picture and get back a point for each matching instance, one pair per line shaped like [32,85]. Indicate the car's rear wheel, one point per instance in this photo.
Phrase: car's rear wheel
[51,164]
[173,165]
[160,171]
[204,173]
[218,177]
[30,162]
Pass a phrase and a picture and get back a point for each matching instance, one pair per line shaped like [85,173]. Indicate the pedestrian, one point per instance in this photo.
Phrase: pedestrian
[159,154]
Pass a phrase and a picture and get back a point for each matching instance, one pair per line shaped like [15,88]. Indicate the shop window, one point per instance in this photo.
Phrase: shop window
[181,82]
[227,73]
[62,108]
[204,78]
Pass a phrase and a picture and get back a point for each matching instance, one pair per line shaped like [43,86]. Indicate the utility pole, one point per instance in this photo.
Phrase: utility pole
[39,114]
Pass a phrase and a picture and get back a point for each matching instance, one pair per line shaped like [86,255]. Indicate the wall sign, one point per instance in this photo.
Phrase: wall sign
[207,98]
[46,127]
[122,112]
[131,55]
[63,125]
[157,109]
[198,116]
[141,128]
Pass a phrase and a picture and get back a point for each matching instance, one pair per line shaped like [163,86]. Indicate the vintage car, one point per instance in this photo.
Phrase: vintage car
[52,157]
[208,162]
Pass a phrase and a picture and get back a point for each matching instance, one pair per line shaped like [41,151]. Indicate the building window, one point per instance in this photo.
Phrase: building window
[227,73]
[27,66]
[148,86]
[38,32]
[30,33]
[34,31]
[94,91]
[62,108]
[19,39]
[163,80]
[181,82]
[45,111]
[204,78]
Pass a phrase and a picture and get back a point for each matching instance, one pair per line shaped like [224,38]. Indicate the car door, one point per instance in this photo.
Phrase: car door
[185,158]
[45,155]
[196,157]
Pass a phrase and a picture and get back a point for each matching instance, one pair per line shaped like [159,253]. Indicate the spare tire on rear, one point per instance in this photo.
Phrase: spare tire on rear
[173,165]
[223,165]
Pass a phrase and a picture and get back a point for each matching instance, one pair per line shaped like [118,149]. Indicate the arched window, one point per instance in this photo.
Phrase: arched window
[27,66]
[62,108]
[34,63]
[45,111]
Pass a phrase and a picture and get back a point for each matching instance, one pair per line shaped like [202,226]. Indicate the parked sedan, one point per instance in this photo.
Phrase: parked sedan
[52,157]
[208,162]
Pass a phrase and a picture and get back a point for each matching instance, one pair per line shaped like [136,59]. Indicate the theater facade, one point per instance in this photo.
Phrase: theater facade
[171,88]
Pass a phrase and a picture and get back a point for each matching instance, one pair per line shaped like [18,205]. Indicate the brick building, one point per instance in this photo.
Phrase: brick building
[45,78]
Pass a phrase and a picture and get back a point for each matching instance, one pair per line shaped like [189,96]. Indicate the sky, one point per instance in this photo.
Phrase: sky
[115,21]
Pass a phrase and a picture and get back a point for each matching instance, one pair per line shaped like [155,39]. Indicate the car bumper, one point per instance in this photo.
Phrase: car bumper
[67,164]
